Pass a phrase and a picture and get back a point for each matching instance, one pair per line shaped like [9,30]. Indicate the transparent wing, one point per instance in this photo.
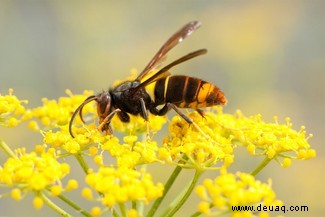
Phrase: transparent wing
[178,37]
[164,71]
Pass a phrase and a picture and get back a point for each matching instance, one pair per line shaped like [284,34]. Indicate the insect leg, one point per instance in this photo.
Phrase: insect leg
[188,119]
[106,120]
[201,112]
[184,116]
[160,112]
[144,114]
[123,116]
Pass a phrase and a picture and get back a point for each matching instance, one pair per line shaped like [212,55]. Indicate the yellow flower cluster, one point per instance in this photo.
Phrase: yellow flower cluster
[132,152]
[85,137]
[11,109]
[53,114]
[270,139]
[138,125]
[121,185]
[32,171]
[202,148]
[207,144]
[228,190]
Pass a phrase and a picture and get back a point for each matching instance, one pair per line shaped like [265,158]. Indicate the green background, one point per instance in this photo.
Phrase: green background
[267,56]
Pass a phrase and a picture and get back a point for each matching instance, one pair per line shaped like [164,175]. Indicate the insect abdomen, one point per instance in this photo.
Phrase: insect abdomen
[187,92]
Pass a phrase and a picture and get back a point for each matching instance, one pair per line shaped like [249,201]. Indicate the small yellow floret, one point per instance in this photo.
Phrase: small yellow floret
[56,190]
[39,149]
[286,162]
[93,151]
[98,159]
[204,207]
[87,193]
[38,202]
[12,122]
[33,125]
[251,149]
[38,182]
[96,211]
[132,213]
[72,184]
[16,194]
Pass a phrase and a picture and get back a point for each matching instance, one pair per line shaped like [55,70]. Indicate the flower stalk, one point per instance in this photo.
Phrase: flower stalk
[82,162]
[53,206]
[167,186]
[187,194]
[74,205]
[261,166]
[7,149]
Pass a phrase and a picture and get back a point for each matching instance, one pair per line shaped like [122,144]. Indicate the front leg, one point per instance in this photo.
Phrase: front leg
[104,124]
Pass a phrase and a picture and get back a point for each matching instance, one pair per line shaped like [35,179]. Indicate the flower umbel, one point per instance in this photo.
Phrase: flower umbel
[274,140]
[202,153]
[228,190]
[11,109]
[123,185]
[56,113]
[33,172]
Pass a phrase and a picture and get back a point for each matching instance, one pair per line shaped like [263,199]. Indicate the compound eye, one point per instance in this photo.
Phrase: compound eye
[104,104]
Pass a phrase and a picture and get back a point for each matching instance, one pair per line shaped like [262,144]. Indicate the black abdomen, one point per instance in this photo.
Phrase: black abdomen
[187,92]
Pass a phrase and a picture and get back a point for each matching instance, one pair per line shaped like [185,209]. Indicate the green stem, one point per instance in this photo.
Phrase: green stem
[75,206]
[7,149]
[196,214]
[115,214]
[261,166]
[139,207]
[187,194]
[134,204]
[175,201]
[82,162]
[53,206]
[123,209]
[167,186]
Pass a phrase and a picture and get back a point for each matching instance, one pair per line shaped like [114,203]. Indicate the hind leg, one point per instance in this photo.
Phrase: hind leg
[189,120]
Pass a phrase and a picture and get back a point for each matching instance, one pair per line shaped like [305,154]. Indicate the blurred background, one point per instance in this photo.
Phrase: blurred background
[267,56]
